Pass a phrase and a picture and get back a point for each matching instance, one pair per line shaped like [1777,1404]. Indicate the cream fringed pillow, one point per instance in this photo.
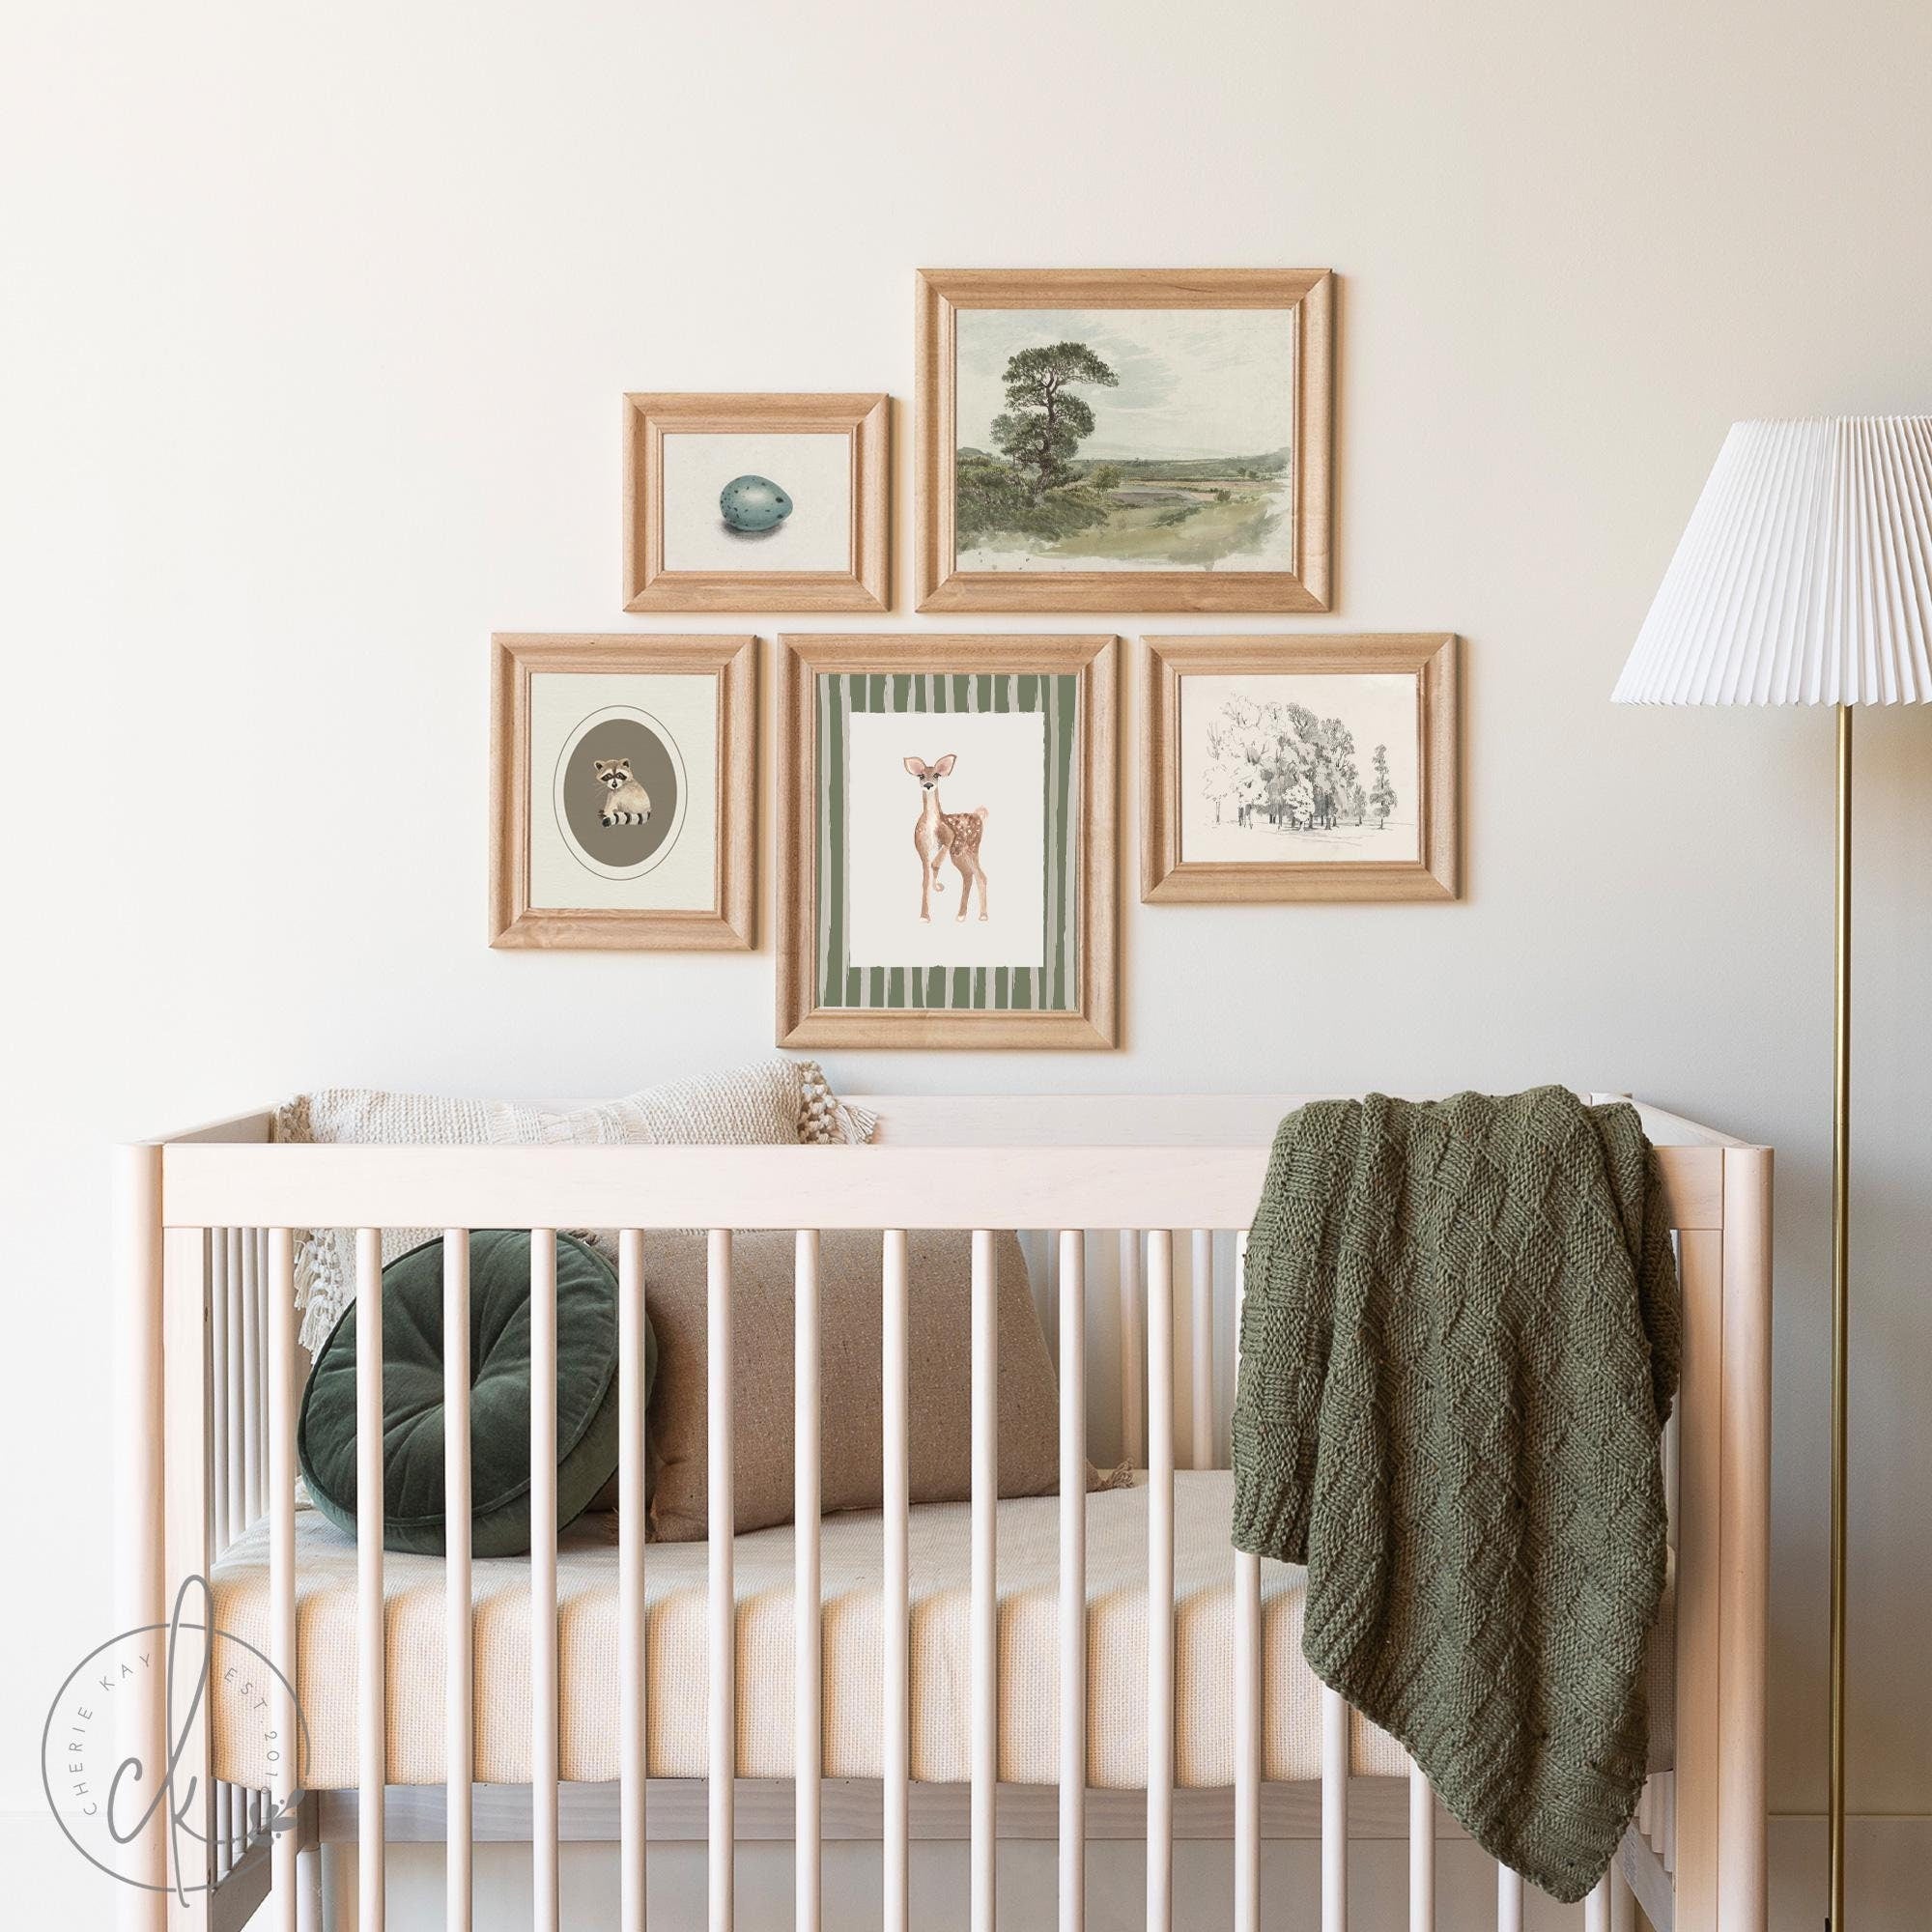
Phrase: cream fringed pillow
[771,1104]
[850,1281]
[776,1102]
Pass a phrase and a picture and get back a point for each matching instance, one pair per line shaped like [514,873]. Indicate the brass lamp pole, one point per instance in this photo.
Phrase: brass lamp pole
[1805,577]
[1841,1307]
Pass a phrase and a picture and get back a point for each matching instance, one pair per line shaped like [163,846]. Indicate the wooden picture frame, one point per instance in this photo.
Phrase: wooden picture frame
[1432,873]
[631,679]
[1239,516]
[849,577]
[837,772]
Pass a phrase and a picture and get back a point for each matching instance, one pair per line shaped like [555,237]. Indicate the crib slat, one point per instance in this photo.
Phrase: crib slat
[722,1607]
[1073,1580]
[1133,1440]
[543,1581]
[895,1633]
[222,1343]
[807,1745]
[1201,1346]
[1509,1900]
[458,1668]
[248,1257]
[257,1238]
[1597,1907]
[281,1407]
[256,1349]
[245,1275]
[1421,1852]
[242,1425]
[1049,1302]
[238,1388]
[220,1521]
[985,1636]
[1623,1902]
[308,1889]
[372,1731]
[631,1616]
[1247,1696]
[263,1276]
[1160,1582]
[1334,1812]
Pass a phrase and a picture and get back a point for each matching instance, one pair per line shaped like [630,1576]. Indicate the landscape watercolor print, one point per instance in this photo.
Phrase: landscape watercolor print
[1125,440]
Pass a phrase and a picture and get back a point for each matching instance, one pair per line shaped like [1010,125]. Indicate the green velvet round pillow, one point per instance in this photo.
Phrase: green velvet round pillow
[499,1395]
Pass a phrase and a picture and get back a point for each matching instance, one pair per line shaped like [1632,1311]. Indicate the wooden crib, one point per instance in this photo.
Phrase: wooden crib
[205,1313]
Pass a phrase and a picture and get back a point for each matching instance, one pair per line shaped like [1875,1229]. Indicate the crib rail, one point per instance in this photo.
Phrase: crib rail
[206,1243]
[655,1188]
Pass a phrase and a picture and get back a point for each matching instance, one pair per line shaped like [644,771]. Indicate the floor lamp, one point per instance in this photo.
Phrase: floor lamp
[1805,577]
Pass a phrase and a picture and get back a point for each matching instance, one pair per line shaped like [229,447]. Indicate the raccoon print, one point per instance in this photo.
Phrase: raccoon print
[627,802]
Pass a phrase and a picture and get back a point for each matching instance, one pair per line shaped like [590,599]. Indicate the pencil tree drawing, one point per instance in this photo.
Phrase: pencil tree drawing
[1276,764]
[1382,794]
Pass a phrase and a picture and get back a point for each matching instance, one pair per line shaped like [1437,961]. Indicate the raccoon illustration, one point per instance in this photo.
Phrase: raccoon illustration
[628,803]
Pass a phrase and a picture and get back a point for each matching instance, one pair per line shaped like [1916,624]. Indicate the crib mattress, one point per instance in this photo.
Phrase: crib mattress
[851,1577]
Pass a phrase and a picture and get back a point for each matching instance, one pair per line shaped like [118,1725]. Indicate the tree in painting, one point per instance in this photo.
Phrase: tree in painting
[1382,794]
[1044,420]
[1123,440]
[1277,763]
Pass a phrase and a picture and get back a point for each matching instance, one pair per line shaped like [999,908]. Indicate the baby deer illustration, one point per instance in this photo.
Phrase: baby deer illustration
[936,833]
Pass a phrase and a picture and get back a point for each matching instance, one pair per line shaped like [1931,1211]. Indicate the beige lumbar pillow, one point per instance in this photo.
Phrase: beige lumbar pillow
[851,1461]
[769,1103]
[775,1102]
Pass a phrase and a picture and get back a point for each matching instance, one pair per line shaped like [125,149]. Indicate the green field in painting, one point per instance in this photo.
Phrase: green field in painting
[1186,513]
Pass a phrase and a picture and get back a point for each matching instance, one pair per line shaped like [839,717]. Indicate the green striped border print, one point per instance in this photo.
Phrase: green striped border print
[914,984]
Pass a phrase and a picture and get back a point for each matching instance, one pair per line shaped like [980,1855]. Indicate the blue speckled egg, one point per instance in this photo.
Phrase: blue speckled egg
[753,504]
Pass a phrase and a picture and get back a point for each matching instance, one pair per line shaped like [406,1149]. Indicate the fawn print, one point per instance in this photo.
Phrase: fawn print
[937,834]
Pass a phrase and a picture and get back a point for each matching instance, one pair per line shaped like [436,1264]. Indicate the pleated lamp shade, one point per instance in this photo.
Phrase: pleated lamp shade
[1804,576]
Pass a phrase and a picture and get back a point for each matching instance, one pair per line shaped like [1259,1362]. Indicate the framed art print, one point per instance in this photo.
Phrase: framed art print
[1300,768]
[756,502]
[1124,440]
[947,855]
[623,791]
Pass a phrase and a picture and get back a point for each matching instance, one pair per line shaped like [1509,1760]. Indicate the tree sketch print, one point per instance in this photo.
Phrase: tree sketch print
[1273,765]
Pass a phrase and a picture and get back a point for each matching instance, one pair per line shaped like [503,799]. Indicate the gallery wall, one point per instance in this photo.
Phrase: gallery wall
[312,341]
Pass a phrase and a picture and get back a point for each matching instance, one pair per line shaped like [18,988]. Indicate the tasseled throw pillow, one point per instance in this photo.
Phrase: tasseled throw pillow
[776,1102]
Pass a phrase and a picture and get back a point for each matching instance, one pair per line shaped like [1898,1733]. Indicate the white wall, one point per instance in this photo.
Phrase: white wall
[313,323]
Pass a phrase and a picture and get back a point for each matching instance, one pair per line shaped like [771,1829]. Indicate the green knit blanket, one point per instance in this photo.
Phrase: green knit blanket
[1459,1345]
